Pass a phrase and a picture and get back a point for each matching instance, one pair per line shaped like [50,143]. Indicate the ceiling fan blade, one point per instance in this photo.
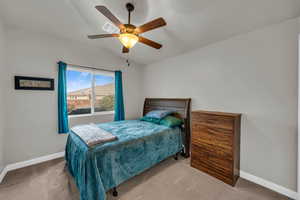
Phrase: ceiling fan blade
[102,36]
[159,22]
[110,16]
[149,42]
[125,50]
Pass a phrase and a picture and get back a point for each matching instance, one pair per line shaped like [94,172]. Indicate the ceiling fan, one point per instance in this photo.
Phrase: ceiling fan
[130,34]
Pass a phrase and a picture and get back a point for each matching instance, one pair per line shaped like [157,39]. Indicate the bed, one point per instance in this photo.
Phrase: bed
[140,146]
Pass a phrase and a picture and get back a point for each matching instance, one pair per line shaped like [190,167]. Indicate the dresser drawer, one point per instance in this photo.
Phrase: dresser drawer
[225,178]
[211,161]
[224,122]
[225,153]
[212,135]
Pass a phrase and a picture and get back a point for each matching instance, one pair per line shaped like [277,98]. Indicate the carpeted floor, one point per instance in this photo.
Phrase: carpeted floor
[174,180]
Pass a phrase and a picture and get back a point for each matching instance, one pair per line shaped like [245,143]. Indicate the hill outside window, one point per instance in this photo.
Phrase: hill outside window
[90,92]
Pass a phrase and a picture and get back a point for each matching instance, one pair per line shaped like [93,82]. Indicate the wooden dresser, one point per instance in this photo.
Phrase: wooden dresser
[216,144]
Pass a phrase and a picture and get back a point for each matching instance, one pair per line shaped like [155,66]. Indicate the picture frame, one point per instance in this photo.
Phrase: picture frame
[33,83]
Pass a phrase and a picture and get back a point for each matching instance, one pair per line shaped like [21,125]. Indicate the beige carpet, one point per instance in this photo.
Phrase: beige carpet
[174,180]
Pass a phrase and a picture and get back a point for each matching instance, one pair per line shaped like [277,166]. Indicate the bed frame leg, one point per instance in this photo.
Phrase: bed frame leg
[184,154]
[176,156]
[65,166]
[115,192]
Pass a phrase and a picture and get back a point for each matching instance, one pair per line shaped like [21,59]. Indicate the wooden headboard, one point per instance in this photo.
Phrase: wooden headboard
[181,108]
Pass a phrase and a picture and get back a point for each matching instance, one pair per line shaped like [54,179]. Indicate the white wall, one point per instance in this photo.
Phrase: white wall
[2,87]
[32,115]
[254,74]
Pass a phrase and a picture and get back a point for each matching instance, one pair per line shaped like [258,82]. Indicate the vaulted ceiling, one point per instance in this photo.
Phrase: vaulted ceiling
[191,23]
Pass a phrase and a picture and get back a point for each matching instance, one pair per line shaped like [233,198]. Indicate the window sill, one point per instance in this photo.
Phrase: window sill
[92,115]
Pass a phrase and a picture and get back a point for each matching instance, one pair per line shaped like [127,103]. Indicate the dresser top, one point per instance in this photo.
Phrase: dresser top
[217,113]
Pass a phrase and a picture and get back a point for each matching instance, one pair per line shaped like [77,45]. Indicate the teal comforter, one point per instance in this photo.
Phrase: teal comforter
[140,145]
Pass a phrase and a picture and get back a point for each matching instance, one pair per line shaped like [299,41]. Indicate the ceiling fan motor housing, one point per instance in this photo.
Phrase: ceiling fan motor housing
[128,28]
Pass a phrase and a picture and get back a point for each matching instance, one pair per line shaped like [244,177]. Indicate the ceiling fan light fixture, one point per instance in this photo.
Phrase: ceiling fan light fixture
[128,39]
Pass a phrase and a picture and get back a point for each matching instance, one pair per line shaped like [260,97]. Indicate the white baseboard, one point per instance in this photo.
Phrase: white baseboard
[270,185]
[27,163]
[34,161]
[3,173]
[260,181]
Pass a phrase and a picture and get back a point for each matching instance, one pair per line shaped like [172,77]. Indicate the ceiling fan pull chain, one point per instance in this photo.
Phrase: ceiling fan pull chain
[128,63]
[127,60]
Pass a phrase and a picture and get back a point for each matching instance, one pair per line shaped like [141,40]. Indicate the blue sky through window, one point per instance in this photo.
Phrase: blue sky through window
[103,80]
[77,80]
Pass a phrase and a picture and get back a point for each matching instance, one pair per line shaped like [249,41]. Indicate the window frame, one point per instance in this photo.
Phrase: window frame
[93,84]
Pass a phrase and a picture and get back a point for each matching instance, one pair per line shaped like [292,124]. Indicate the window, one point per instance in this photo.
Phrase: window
[90,91]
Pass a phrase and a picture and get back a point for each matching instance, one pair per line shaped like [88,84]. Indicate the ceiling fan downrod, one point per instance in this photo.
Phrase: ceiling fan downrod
[130,8]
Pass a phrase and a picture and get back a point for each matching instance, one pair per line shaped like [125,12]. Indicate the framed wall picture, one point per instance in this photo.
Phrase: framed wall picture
[33,83]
